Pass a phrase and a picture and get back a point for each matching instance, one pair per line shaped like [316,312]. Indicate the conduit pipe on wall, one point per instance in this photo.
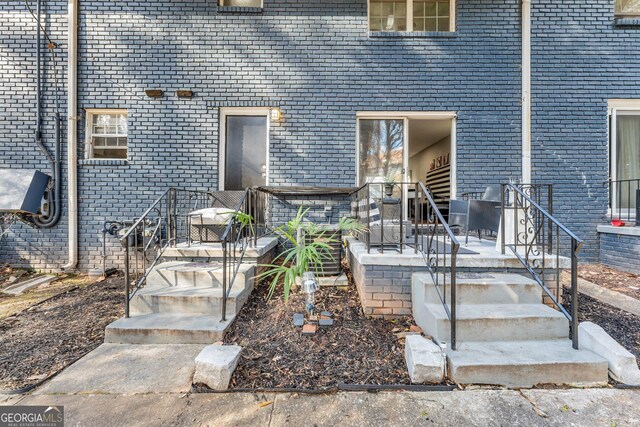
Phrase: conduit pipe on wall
[72,135]
[526,91]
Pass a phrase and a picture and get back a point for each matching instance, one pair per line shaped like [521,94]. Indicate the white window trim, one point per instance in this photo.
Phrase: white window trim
[427,115]
[88,129]
[616,106]
[452,16]
[222,148]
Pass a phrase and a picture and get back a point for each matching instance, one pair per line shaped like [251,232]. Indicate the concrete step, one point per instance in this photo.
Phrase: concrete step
[493,322]
[191,301]
[209,252]
[196,275]
[526,364]
[483,288]
[167,329]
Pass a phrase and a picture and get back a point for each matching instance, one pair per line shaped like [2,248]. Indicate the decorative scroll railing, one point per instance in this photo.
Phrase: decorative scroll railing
[541,243]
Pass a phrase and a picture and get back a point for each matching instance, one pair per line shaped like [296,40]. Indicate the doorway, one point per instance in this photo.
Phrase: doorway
[408,147]
[244,148]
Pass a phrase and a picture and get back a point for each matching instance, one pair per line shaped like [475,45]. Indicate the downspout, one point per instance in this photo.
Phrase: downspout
[72,135]
[526,91]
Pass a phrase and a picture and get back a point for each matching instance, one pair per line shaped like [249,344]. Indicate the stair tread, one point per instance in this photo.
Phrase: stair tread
[180,322]
[539,352]
[198,267]
[186,292]
[498,311]
[488,279]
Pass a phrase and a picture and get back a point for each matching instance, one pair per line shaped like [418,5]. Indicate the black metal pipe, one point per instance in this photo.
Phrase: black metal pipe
[52,217]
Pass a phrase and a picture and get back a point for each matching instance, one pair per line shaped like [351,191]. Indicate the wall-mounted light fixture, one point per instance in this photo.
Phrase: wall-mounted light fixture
[184,93]
[154,93]
[276,115]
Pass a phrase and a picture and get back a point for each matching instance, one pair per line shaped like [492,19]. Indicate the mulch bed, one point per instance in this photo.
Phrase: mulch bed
[612,279]
[624,327]
[355,350]
[47,337]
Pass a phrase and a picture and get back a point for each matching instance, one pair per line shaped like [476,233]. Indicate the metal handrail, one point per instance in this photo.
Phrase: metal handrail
[529,235]
[160,226]
[436,260]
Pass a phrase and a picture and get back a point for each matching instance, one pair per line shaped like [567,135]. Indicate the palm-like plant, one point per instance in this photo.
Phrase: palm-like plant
[304,254]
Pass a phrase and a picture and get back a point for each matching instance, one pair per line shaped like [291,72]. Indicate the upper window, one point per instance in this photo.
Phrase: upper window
[107,134]
[240,3]
[627,7]
[412,15]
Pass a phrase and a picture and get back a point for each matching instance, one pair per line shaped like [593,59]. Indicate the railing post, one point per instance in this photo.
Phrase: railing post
[415,216]
[224,280]
[126,278]
[502,217]
[574,292]
[454,299]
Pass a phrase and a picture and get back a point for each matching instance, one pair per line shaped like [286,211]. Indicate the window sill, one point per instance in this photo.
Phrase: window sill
[103,162]
[239,9]
[412,34]
[627,22]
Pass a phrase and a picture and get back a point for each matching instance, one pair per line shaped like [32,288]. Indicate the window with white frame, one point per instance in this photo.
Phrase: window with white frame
[240,3]
[107,134]
[412,15]
[624,153]
[627,8]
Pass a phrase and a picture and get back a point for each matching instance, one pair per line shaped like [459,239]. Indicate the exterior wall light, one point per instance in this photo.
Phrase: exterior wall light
[276,115]
[154,93]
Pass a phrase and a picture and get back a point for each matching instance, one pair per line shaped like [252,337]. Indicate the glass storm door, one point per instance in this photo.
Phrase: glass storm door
[381,148]
[245,151]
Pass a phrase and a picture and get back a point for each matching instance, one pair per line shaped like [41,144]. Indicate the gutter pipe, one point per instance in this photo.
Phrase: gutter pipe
[72,136]
[526,91]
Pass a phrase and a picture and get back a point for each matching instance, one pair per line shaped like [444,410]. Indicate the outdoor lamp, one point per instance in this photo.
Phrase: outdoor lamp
[309,287]
[276,115]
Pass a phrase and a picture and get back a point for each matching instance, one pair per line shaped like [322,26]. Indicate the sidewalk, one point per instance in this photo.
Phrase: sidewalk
[596,407]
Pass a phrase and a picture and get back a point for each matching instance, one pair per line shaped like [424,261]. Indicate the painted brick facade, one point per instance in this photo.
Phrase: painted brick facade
[316,61]
[620,251]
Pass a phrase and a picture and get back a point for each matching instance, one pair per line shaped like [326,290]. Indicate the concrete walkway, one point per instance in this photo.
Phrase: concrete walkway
[597,407]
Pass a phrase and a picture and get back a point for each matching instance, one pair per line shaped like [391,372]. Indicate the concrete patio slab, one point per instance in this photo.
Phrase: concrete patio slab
[128,369]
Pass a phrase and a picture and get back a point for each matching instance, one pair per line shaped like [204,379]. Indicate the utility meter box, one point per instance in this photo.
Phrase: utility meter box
[22,190]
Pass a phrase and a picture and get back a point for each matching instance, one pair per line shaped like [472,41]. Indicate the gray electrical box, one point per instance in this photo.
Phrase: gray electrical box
[22,190]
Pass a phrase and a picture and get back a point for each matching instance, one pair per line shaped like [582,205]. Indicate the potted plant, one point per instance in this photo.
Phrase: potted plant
[389,184]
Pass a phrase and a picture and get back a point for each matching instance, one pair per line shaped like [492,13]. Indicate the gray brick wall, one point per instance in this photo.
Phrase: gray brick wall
[620,251]
[315,60]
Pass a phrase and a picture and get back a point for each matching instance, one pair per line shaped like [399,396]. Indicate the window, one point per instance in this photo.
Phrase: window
[625,153]
[107,134]
[240,3]
[627,7]
[412,15]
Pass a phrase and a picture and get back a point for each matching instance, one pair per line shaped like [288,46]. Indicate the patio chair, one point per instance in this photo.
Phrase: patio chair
[477,214]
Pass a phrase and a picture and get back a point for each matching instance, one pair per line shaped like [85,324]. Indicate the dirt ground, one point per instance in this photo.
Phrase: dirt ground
[355,350]
[55,331]
[612,279]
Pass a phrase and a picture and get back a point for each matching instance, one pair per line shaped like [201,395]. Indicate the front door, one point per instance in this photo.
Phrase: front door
[244,149]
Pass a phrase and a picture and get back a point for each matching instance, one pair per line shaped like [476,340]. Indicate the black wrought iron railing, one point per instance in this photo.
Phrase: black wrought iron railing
[544,246]
[624,200]
[168,222]
[381,208]
[439,246]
